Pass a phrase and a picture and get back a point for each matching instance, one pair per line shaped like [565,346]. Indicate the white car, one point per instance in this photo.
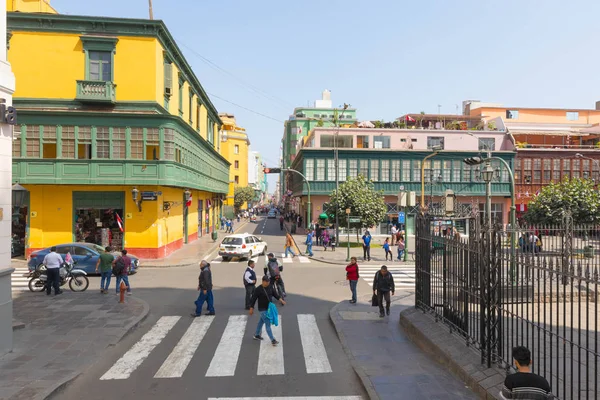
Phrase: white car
[242,245]
[272,214]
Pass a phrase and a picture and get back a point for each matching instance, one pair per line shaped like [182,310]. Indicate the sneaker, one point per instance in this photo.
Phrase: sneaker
[210,313]
[128,293]
[274,342]
[257,337]
[352,301]
[101,291]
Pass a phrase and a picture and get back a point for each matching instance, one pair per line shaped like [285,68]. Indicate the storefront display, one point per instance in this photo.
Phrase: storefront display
[19,230]
[98,226]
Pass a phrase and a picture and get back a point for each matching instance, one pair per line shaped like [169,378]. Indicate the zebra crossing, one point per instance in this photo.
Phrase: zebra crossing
[19,280]
[224,361]
[404,275]
[281,257]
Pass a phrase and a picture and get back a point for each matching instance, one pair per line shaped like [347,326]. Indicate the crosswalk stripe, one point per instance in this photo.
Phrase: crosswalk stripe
[303,259]
[290,398]
[315,355]
[270,358]
[180,357]
[228,351]
[125,366]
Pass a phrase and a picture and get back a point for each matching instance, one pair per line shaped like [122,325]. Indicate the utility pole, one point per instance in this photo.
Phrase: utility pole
[337,174]
[150,9]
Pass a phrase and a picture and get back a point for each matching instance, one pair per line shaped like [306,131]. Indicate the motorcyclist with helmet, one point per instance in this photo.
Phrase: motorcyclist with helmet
[273,271]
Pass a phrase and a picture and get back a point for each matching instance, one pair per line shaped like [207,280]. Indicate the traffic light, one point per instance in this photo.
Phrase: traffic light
[272,170]
[473,160]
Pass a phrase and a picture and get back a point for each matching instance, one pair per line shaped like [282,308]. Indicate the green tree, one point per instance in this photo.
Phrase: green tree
[242,195]
[576,195]
[360,196]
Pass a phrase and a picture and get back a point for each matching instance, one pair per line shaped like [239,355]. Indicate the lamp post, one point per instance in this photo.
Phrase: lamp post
[19,195]
[436,151]
[433,180]
[337,172]
[348,233]
[308,217]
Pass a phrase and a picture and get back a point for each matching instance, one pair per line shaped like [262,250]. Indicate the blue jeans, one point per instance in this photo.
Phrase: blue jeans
[289,249]
[400,254]
[124,278]
[267,323]
[208,297]
[309,249]
[353,289]
[105,278]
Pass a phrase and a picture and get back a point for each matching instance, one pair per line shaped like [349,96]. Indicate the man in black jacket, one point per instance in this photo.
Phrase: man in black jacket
[205,287]
[383,284]
[249,282]
[263,294]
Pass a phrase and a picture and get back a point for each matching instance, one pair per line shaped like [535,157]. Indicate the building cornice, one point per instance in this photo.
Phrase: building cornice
[108,26]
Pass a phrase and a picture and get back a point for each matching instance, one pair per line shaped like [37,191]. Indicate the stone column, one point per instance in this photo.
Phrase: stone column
[7,87]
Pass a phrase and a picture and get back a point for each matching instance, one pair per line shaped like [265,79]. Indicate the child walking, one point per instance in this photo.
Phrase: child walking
[386,247]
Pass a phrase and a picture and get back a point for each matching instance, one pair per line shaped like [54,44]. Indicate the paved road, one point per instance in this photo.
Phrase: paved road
[174,356]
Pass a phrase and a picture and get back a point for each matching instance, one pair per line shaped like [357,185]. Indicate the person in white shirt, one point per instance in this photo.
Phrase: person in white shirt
[249,282]
[53,261]
[394,233]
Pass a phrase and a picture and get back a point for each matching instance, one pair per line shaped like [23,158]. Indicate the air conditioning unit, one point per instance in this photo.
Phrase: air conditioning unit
[168,91]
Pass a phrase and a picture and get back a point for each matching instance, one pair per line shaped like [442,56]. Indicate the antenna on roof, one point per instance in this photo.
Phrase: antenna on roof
[150,9]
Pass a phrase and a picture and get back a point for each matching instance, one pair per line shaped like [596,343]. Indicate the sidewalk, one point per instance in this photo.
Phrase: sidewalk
[62,336]
[191,253]
[388,363]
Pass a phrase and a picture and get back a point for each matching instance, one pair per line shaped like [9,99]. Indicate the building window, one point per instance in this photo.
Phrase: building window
[434,141]
[547,171]
[566,169]
[168,81]
[466,173]
[396,171]
[236,180]
[236,164]
[362,142]
[169,144]
[576,168]
[32,136]
[178,156]
[405,170]
[16,142]
[537,171]
[381,142]
[180,95]
[102,142]
[517,172]
[497,212]
[374,170]
[342,170]
[211,134]
[152,144]
[331,169]
[49,146]
[191,105]
[527,171]
[339,141]
[586,169]
[487,144]
[84,143]
[446,170]
[385,170]
[68,142]
[416,170]
[137,143]
[118,143]
[556,170]
[320,170]
[353,169]
[310,169]
[363,167]
[100,66]
[236,149]
[198,116]
[512,114]
[456,171]
[572,116]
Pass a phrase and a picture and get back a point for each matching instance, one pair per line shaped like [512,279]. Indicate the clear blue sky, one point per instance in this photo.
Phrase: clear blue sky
[385,57]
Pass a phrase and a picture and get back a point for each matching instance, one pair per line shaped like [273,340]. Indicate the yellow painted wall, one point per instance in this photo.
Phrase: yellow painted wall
[203,122]
[227,150]
[135,69]
[30,6]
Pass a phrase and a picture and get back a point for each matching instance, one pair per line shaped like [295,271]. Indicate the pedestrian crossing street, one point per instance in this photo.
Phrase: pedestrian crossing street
[280,257]
[224,361]
[19,280]
[404,275]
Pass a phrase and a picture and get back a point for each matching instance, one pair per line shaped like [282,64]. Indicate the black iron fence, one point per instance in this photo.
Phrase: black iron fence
[534,286]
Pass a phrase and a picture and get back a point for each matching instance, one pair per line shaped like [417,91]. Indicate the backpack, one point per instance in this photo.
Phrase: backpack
[274,268]
[119,267]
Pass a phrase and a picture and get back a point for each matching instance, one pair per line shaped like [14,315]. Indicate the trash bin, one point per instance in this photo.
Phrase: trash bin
[215,236]
[588,251]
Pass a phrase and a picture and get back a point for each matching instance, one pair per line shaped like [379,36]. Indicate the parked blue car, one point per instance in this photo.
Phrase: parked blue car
[85,254]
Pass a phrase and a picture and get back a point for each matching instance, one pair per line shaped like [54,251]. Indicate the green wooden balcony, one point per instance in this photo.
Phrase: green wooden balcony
[96,91]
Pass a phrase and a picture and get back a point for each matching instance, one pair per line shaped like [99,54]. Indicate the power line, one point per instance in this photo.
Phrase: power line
[245,108]
[276,100]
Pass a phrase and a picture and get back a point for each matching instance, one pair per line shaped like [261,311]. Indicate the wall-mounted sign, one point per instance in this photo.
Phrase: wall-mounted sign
[150,196]
[128,216]
[8,115]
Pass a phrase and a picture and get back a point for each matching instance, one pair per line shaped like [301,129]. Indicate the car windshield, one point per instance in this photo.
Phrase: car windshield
[232,240]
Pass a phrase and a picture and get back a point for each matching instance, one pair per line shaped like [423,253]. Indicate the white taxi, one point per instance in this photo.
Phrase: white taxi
[242,245]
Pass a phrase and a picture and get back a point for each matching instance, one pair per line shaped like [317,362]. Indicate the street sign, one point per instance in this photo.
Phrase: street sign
[401,187]
[150,196]
[401,217]
[354,220]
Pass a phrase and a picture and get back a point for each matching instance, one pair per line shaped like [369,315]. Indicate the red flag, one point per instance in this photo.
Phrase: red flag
[119,222]
[188,203]
[410,119]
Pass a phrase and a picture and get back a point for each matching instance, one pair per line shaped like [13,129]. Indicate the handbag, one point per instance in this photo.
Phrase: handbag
[374,301]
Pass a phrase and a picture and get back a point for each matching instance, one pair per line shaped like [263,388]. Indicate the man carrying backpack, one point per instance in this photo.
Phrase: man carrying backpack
[205,287]
[121,270]
[273,271]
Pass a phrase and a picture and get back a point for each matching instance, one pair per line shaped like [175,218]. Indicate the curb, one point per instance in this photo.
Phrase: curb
[368,385]
[70,378]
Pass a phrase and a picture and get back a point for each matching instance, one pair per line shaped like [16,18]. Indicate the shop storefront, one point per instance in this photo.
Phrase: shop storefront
[96,218]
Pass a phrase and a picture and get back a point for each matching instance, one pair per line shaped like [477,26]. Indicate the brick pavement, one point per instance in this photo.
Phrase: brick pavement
[388,363]
[62,336]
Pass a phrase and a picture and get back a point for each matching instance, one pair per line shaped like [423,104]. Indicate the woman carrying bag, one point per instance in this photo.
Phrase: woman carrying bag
[352,276]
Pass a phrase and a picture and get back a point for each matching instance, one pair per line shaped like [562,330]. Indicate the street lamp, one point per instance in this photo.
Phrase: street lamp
[337,173]
[348,233]
[19,195]
[432,181]
[436,151]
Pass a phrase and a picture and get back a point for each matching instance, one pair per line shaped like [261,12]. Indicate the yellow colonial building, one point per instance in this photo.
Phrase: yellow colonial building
[234,147]
[113,125]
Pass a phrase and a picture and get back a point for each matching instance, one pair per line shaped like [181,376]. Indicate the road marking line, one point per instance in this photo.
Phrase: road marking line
[315,355]
[303,259]
[228,351]
[290,398]
[182,354]
[123,368]
[270,358]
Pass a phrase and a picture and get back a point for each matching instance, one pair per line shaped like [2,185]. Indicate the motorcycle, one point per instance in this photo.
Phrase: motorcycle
[77,278]
[253,218]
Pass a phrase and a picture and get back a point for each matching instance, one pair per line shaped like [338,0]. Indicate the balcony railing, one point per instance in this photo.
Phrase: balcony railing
[96,91]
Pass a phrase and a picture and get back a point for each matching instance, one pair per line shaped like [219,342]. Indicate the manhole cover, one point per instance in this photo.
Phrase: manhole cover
[341,283]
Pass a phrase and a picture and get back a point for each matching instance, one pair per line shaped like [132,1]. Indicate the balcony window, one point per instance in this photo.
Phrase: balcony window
[191,106]
[447,171]
[68,142]
[353,168]
[566,169]
[331,169]
[310,169]
[170,144]
[576,168]
[487,144]
[456,171]
[118,144]
[84,143]
[341,141]
[537,173]
[381,142]
[102,143]
[342,170]
[137,144]
[362,142]
[374,170]
[572,116]
[49,147]
[396,171]
[512,114]
[180,95]
[100,66]
[363,167]
[417,171]
[405,170]
[385,170]
[320,170]
[433,141]
[152,144]
[16,143]
[210,135]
